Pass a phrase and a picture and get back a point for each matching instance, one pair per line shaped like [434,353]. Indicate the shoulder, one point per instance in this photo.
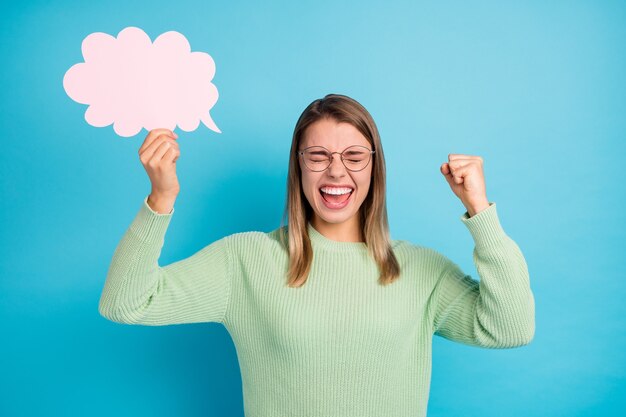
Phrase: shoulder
[407,248]
[411,253]
[254,240]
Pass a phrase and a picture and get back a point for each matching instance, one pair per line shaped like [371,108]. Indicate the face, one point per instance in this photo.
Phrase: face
[336,137]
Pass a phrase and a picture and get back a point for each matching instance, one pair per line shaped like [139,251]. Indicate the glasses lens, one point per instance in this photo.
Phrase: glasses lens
[356,158]
[316,158]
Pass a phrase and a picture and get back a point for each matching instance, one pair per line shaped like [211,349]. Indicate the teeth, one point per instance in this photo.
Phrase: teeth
[336,191]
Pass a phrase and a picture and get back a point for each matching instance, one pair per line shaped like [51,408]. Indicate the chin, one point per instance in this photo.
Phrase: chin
[335,219]
[328,216]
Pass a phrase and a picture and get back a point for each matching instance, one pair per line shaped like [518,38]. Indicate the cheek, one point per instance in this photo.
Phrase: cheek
[365,183]
[364,193]
[305,181]
[308,185]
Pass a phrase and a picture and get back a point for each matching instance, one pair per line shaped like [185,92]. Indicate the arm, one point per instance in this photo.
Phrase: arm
[139,291]
[498,311]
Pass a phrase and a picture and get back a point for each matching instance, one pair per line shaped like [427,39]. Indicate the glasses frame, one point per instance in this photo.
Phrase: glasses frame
[330,159]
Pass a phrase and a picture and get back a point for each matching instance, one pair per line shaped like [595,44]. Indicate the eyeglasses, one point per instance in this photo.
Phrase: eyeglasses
[317,158]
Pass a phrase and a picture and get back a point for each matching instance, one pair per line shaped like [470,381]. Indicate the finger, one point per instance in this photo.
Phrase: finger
[445,169]
[459,164]
[160,152]
[156,143]
[459,171]
[169,156]
[463,170]
[461,161]
[153,134]
[447,172]
[173,155]
[454,156]
[152,142]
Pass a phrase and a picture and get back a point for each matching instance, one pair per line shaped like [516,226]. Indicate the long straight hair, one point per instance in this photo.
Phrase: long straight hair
[373,211]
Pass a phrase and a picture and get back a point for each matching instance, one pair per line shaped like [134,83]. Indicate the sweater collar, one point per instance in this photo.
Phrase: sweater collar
[320,241]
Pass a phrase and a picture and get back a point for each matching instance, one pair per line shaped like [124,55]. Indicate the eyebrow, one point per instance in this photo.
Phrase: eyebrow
[349,146]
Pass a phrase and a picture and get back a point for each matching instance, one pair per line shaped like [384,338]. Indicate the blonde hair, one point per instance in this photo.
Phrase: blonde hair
[373,211]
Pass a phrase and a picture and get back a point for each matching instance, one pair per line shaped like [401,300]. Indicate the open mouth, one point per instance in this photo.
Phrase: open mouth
[336,199]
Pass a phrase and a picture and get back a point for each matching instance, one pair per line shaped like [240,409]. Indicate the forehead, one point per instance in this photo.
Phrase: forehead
[333,135]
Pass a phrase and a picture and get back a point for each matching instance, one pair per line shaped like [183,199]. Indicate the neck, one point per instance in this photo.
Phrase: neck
[348,231]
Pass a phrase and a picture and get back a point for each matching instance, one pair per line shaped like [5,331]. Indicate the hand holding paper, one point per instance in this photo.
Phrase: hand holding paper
[158,155]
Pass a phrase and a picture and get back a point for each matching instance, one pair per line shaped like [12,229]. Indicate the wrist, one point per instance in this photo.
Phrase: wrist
[475,209]
[161,204]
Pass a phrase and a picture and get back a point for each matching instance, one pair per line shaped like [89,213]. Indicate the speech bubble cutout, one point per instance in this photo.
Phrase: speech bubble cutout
[133,83]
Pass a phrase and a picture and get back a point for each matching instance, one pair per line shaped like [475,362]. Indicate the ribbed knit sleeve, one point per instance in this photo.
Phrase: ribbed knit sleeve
[498,311]
[139,291]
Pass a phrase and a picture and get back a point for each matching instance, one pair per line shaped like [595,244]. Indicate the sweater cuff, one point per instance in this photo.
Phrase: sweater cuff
[484,226]
[149,225]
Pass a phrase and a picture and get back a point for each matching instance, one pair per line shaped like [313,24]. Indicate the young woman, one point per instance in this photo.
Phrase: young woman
[329,316]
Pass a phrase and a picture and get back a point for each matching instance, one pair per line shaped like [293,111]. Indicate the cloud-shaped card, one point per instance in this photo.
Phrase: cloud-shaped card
[133,83]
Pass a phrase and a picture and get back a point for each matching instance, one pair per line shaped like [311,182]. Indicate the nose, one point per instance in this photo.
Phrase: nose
[336,167]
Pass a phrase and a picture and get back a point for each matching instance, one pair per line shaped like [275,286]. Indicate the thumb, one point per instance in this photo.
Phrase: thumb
[445,170]
[447,173]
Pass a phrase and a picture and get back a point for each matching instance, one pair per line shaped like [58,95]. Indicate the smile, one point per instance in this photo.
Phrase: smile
[336,198]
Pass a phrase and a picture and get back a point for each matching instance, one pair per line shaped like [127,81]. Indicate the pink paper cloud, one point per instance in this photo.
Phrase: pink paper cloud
[133,83]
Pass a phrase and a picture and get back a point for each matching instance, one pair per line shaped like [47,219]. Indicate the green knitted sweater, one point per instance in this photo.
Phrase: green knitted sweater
[342,345]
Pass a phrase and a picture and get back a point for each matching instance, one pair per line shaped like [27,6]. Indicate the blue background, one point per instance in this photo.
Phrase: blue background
[538,90]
